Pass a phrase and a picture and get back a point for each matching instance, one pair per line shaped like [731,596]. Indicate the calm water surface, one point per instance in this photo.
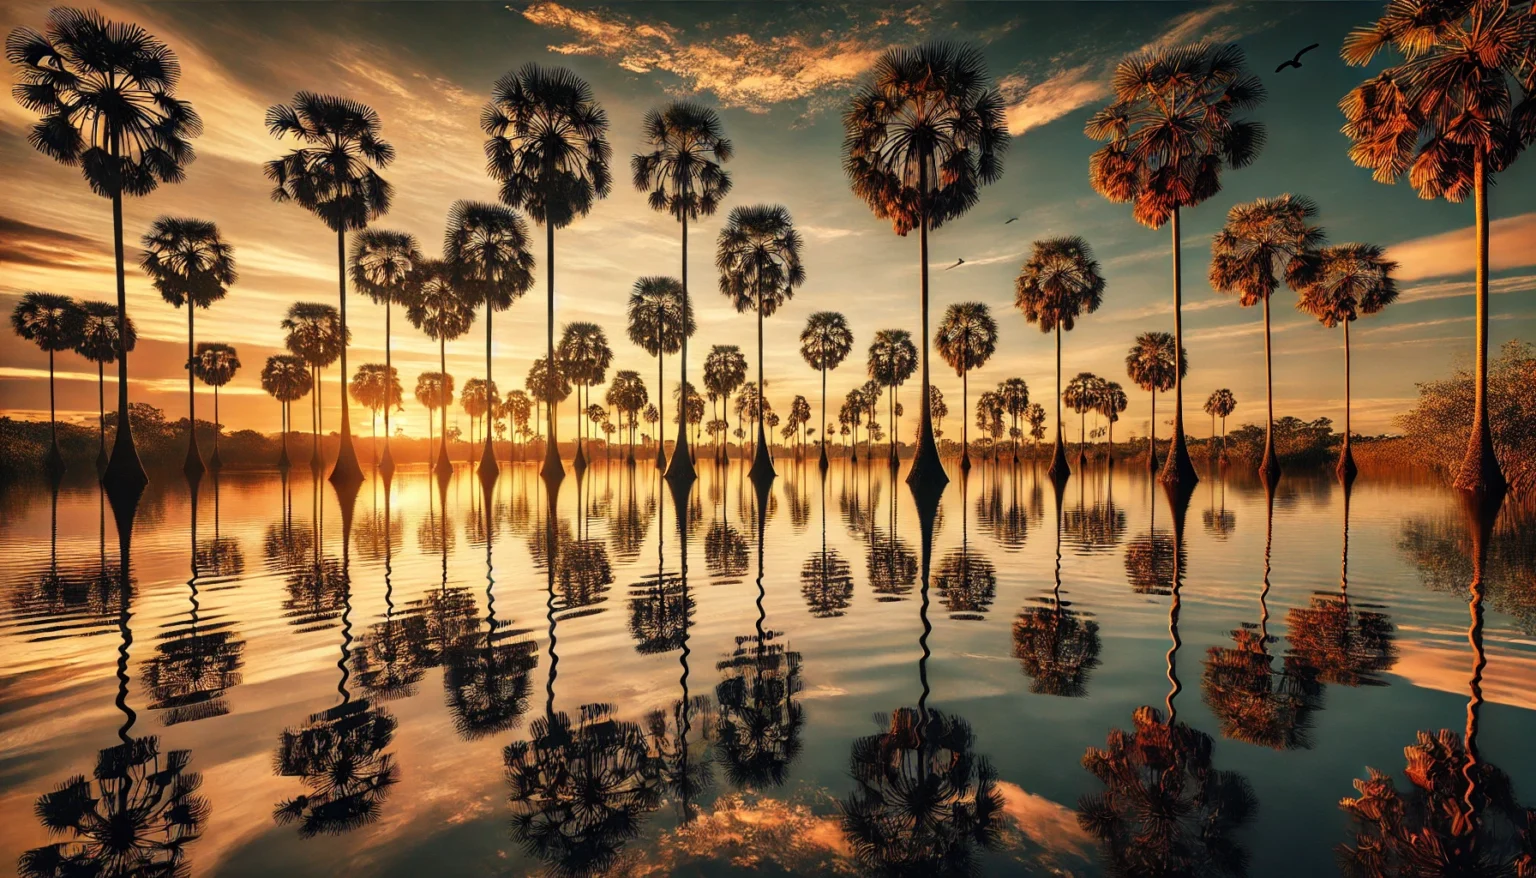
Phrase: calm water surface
[821,680]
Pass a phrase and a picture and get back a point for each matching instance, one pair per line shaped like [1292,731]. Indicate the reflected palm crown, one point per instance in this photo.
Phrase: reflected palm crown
[1057,648]
[339,755]
[1256,703]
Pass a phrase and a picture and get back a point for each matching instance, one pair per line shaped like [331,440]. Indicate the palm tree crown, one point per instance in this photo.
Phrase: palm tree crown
[825,341]
[1060,282]
[657,319]
[1172,126]
[1151,363]
[682,172]
[758,255]
[331,173]
[215,363]
[100,335]
[547,387]
[1221,403]
[485,249]
[377,387]
[1262,242]
[385,265]
[924,135]
[188,261]
[286,378]
[548,144]
[1350,280]
[892,357]
[584,353]
[434,390]
[48,320]
[967,336]
[106,94]
[314,333]
[725,369]
[441,308]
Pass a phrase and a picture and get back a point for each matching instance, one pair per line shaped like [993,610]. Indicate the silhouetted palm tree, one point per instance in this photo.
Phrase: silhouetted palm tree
[660,317]
[1448,118]
[444,312]
[53,323]
[107,94]
[584,357]
[966,339]
[921,138]
[215,364]
[682,176]
[191,266]
[339,755]
[479,399]
[1014,393]
[548,148]
[1035,415]
[892,360]
[316,335]
[516,407]
[758,255]
[547,386]
[1082,396]
[1350,280]
[99,341]
[1151,364]
[1112,402]
[628,396]
[1173,126]
[434,390]
[286,378]
[385,268]
[1262,241]
[1222,404]
[1058,284]
[725,370]
[485,250]
[825,342]
[331,174]
[377,386]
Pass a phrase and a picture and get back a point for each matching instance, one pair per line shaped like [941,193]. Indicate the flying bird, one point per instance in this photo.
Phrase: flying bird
[1296,61]
[1012,219]
[958,263]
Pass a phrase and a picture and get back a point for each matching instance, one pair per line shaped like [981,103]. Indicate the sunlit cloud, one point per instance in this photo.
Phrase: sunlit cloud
[1511,244]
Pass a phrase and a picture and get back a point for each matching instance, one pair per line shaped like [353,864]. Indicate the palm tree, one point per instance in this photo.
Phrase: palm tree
[332,175]
[1150,363]
[725,370]
[547,387]
[892,360]
[1351,279]
[215,364]
[1222,403]
[920,140]
[548,147]
[758,255]
[585,357]
[1447,117]
[377,386]
[99,341]
[660,319]
[479,399]
[486,251]
[434,390]
[53,323]
[967,339]
[1111,404]
[1060,283]
[825,342]
[191,265]
[989,415]
[516,406]
[683,177]
[1035,415]
[1172,128]
[316,335]
[1015,396]
[287,378]
[385,268]
[444,311]
[1261,240]
[106,92]
[628,396]
[1082,396]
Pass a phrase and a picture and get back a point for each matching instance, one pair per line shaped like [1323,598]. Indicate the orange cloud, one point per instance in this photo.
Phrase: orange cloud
[1511,244]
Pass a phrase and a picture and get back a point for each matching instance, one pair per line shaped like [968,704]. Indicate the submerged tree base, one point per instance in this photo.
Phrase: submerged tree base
[1178,470]
[927,473]
[346,471]
[1059,470]
[1480,472]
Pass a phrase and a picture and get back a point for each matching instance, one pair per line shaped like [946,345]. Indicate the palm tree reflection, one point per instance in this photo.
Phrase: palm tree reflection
[892,565]
[77,602]
[826,580]
[1097,528]
[1459,815]
[1057,647]
[1008,523]
[1152,558]
[392,654]
[967,582]
[1219,520]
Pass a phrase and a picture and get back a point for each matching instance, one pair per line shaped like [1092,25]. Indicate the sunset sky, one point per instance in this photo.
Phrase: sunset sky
[779,75]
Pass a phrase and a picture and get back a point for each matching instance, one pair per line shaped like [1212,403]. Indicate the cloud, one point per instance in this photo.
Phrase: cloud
[22,243]
[742,69]
[1031,105]
[1511,244]
[1520,283]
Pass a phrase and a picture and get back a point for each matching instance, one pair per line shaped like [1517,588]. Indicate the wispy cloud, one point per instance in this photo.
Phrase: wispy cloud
[1522,283]
[22,243]
[746,70]
[1032,103]
[1511,244]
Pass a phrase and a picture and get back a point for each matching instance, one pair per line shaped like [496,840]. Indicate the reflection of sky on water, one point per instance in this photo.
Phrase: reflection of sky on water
[746,708]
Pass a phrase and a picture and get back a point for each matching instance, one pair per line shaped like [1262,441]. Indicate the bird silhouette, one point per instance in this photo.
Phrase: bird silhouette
[958,263]
[1012,219]
[1296,61]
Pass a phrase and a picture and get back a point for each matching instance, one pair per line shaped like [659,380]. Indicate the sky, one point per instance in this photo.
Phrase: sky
[779,74]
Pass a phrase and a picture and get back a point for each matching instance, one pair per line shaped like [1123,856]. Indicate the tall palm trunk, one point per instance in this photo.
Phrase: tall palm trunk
[346,471]
[1152,436]
[216,428]
[431,438]
[1480,473]
[1059,470]
[314,420]
[965,423]
[927,470]
[823,461]
[125,472]
[553,469]
[762,460]
[444,466]
[661,403]
[1178,470]
[388,462]
[193,466]
[1269,469]
[101,418]
[282,460]
[1346,467]
[681,469]
[55,458]
[488,467]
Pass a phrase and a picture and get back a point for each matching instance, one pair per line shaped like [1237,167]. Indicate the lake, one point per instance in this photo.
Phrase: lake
[451,679]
